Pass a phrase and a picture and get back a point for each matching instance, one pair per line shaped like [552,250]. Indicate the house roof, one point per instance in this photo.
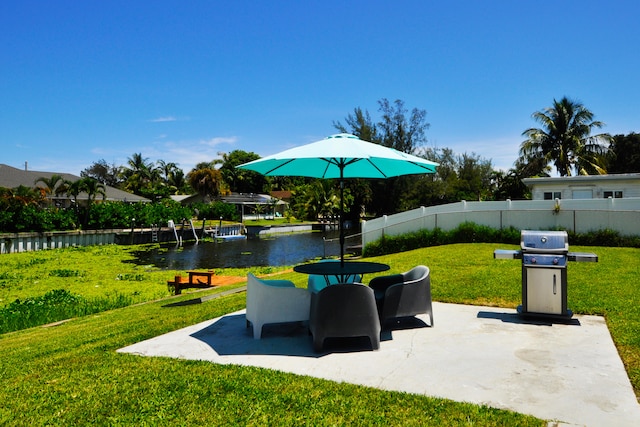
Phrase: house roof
[250,199]
[581,179]
[281,194]
[11,177]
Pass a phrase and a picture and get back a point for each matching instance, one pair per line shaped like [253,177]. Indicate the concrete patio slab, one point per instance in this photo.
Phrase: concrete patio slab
[569,373]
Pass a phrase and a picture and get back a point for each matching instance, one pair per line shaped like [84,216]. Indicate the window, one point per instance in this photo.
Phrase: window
[613,194]
[552,195]
[582,194]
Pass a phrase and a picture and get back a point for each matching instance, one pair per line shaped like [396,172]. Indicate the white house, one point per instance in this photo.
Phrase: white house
[584,187]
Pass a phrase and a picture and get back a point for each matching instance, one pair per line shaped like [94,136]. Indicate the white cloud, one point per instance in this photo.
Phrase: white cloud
[213,142]
[185,153]
[164,119]
[189,153]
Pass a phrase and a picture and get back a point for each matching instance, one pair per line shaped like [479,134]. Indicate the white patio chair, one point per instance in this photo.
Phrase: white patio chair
[275,301]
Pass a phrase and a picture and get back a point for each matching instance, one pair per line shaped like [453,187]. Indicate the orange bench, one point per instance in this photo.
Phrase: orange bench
[179,283]
[193,276]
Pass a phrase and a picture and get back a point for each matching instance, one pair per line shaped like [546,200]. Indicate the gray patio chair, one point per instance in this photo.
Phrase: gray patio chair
[403,295]
[343,311]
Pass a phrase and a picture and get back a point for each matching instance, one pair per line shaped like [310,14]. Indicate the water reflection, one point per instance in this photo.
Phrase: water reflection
[269,250]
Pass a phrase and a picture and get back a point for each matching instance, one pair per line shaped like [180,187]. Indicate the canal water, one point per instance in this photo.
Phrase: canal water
[264,250]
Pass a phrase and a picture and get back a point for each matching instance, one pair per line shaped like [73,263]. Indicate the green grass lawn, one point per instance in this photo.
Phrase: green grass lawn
[70,374]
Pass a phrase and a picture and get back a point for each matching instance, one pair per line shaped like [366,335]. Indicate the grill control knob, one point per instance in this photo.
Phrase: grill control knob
[544,239]
[533,260]
[555,261]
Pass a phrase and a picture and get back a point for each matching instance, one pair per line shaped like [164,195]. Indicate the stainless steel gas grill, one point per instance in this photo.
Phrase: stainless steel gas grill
[544,256]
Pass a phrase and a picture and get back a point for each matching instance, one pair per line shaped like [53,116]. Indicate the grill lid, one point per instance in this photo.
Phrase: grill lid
[544,241]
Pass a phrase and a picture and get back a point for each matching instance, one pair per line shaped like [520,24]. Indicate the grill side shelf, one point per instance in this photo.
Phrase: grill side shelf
[582,257]
[506,254]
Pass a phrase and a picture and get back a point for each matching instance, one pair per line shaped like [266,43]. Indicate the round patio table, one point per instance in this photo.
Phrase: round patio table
[341,271]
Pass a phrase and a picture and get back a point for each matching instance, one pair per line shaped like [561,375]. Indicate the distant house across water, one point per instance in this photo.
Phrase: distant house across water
[11,177]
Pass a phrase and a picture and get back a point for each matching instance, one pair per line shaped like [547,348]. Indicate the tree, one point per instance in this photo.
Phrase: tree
[73,189]
[137,175]
[406,135]
[509,185]
[458,177]
[206,181]
[103,173]
[178,182]
[474,177]
[20,196]
[319,199]
[259,209]
[53,186]
[394,130]
[565,140]
[167,170]
[240,180]
[624,154]
[93,188]
[360,125]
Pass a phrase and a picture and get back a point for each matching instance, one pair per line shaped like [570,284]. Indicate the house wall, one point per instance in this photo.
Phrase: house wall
[580,187]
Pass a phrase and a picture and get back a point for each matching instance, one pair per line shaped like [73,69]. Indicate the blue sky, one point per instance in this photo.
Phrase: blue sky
[182,81]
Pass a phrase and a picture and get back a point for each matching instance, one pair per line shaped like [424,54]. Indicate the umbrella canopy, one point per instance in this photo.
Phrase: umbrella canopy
[341,156]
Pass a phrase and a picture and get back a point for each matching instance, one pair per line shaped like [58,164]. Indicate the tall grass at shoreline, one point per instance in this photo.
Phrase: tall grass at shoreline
[55,305]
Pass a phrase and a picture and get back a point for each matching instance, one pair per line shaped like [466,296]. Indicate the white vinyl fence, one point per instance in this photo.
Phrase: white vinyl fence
[580,216]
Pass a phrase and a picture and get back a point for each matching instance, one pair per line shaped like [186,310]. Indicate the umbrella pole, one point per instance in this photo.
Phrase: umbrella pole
[341,214]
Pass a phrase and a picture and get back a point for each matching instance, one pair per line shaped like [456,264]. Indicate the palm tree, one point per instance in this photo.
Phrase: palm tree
[73,189]
[93,188]
[177,182]
[206,181]
[138,173]
[52,186]
[321,200]
[167,170]
[565,140]
[20,196]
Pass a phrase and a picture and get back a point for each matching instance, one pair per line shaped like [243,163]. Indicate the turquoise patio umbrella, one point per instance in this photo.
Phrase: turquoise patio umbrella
[341,156]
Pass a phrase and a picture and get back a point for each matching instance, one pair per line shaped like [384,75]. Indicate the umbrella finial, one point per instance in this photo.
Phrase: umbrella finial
[342,135]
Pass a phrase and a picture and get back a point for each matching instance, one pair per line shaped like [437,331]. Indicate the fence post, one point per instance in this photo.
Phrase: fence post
[384,226]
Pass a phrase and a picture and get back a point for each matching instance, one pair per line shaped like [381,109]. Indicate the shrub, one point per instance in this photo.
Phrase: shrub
[474,233]
[216,210]
[108,215]
[55,305]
